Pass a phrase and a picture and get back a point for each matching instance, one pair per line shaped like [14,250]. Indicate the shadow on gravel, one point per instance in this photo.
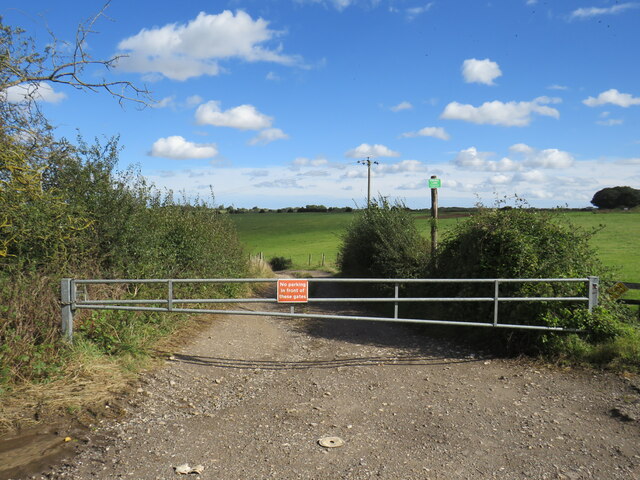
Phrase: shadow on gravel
[415,339]
[378,333]
[384,361]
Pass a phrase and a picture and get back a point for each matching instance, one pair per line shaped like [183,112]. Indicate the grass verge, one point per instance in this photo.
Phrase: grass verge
[103,364]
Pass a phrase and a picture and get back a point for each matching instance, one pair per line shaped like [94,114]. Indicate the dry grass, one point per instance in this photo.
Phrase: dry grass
[87,383]
[91,379]
[259,268]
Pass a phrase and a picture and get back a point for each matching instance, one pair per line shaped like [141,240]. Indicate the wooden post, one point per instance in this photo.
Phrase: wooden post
[368,183]
[434,219]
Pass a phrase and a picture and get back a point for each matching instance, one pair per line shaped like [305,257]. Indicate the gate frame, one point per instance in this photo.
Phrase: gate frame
[70,302]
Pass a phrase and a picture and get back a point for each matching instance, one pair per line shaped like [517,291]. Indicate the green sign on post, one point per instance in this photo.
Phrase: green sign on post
[435,183]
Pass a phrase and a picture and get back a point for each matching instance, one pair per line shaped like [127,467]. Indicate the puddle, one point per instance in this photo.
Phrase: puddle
[35,451]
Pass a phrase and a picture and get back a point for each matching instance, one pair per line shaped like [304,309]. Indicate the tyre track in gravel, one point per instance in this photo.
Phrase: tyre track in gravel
[250,397]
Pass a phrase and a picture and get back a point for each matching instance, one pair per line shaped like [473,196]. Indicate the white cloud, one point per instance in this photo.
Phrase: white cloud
[422,184]
[280,183]
[171,102]
[272,76]
[500,179]
[547,158]
[510,114]
[183,51]
[341,4]
[177,148]
[614,97]
[244,117]
[401,106]
[550,158]
[573,185]
[629,161]
[361,173]
[267,136]
[557,87]
[542,193]
[531,176]
[315,162]
[412,13]
[472,158]
[435,132]
[588,12]
[314,173]
[300,161]
[257,173]
[521,148]
[366,150]
[404,166]
[194,100]
[610,122]
[480,71]
[40,92]
[505,164]
[165,102]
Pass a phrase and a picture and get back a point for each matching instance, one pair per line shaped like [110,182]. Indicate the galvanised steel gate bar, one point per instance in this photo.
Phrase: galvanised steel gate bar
[71,303]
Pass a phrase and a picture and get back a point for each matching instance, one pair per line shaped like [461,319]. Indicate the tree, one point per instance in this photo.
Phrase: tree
[617,197]
[21,65]
[30,157]
[26,73]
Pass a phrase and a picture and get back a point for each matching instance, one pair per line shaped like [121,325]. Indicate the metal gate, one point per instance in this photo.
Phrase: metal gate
[71,301]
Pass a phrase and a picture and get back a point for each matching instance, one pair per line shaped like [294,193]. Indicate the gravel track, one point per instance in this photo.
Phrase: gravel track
[251,396]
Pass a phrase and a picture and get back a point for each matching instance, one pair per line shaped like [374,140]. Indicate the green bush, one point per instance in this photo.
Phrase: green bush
[38,227]
[280,263]
[382,241]
[71,214]
[524,243]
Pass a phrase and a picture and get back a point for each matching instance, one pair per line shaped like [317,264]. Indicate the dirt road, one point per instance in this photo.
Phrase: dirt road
[251,397]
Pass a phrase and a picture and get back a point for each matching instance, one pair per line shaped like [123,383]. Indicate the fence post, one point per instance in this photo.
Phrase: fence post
[496,296]
[170,295]
[395,304]
[67,297]
[594,289]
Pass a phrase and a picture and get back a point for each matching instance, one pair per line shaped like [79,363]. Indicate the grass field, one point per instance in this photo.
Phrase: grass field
[618,243]
[298,235]
[293,235]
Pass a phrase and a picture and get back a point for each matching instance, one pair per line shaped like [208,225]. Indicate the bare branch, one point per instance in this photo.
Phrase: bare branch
[21,64]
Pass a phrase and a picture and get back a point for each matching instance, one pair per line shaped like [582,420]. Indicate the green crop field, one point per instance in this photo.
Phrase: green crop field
[300,235]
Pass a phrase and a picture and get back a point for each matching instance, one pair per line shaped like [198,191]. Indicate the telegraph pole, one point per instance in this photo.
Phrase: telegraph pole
[368,163]
[434,184]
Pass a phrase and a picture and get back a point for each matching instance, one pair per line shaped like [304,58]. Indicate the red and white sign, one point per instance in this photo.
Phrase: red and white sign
[293,291]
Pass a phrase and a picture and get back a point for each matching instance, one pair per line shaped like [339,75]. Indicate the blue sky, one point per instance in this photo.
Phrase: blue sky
[273,102]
